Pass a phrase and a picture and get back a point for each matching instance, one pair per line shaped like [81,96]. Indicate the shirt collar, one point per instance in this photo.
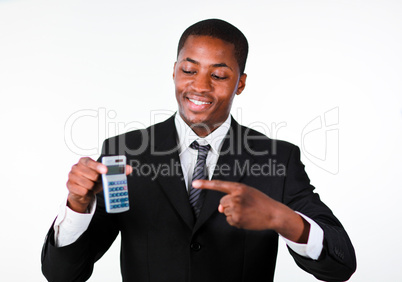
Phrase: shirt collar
[186,136]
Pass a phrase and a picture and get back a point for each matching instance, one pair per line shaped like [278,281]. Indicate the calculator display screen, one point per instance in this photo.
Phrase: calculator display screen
[115,169]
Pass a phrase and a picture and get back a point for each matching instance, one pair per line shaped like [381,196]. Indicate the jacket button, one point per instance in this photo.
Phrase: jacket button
[195,246]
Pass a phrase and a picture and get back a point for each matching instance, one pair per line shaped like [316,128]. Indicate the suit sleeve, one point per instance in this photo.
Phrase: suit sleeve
[75,262]
[337,261]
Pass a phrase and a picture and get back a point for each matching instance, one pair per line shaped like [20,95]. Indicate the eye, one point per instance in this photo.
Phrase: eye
[188,71]
[217,77]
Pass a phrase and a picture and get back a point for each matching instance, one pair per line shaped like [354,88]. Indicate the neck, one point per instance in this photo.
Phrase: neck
[203,130]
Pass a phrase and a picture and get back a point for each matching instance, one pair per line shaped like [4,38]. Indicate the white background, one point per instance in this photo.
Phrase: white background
[74,72]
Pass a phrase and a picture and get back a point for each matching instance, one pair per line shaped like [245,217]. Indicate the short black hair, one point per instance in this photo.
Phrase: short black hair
[222,30]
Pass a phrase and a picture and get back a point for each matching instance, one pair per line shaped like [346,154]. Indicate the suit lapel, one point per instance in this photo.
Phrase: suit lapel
[165,152]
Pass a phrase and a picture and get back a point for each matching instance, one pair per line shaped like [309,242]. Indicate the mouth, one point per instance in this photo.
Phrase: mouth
[198,102]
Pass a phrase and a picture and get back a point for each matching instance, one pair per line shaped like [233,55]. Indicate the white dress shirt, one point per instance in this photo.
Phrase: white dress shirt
[69,225]
[188,156]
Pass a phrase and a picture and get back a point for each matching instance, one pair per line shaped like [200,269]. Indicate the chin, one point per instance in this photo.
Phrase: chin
[195,120]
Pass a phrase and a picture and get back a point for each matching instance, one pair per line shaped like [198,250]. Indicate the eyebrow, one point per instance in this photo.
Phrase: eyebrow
[219,65]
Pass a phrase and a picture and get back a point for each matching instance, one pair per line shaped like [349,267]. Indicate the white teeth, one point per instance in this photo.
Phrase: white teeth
[199,102]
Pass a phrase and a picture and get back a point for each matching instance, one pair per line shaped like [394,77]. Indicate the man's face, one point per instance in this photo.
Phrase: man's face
[206,77]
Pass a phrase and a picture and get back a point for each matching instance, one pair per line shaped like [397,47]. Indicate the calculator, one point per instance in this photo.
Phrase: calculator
[115,184]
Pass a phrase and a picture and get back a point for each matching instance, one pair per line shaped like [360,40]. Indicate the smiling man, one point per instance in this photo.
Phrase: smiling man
[215,213]
[207,76]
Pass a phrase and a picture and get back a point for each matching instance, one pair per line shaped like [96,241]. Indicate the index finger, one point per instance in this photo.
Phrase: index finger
[216,185]
[90,163]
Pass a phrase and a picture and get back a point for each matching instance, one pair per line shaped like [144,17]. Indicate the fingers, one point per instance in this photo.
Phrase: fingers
[244,206]
[221,209]
[93,165]
[232,217]
[217,185]
[83,183]
[230,204]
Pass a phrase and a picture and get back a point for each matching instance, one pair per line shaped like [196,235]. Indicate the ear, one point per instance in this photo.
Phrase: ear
[242,84]
[174,69]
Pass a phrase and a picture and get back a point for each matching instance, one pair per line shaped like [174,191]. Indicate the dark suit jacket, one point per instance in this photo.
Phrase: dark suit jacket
[161,240]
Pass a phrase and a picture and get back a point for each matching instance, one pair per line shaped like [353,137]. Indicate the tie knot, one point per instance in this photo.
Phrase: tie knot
[203,148]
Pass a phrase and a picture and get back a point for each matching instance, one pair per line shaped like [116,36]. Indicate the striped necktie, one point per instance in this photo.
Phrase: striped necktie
[200,172]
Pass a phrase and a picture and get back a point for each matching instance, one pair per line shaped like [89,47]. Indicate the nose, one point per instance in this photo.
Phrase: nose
[202,83]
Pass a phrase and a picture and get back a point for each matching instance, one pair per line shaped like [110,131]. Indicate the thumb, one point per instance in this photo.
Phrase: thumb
[129,169]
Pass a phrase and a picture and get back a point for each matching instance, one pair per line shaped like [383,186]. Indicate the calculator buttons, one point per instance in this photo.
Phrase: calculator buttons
[118,194]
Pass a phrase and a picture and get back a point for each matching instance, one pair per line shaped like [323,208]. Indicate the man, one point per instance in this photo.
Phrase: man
[179,228]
